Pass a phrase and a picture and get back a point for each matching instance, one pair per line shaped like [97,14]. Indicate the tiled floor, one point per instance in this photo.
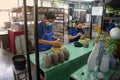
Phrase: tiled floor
[6,65]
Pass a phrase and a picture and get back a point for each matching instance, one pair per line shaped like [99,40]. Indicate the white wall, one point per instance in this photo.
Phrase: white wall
[9,4]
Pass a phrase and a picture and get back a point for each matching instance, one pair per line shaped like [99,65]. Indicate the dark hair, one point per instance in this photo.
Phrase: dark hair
[77,22]
[50,15]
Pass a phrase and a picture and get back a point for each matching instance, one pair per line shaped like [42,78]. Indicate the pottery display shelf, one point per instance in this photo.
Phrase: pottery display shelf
[62,71]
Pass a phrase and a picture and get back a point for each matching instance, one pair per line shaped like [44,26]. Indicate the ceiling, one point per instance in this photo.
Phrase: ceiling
[115,4]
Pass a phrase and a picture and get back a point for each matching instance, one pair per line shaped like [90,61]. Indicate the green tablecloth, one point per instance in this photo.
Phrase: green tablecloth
[62,71]
[84,69]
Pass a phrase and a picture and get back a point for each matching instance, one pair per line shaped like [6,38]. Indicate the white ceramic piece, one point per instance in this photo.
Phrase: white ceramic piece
[92,58]
[100,75]
[104,67]
[115,33]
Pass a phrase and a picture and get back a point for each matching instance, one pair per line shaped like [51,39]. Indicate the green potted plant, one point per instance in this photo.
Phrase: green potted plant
[110,46]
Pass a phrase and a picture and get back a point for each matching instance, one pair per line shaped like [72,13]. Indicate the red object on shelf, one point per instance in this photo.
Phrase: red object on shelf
[12,35]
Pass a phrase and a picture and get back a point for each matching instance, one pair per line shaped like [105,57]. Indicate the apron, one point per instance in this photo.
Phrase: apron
[46,36]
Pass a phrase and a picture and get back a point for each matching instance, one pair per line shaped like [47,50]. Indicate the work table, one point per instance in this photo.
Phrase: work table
[62,71]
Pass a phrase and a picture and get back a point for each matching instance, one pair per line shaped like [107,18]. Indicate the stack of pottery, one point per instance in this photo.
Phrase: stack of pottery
[55,57]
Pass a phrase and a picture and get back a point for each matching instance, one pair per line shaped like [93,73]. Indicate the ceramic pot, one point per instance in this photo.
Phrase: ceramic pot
[104,67]
[66,53]
[82,37]
[60,55]
[92,57]
[19,62]
[54,57]
[47,60]
[85,43]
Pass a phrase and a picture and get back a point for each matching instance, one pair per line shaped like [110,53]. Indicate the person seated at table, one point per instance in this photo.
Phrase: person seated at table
[76,32]
[111,25]
[45,33]
[80,29]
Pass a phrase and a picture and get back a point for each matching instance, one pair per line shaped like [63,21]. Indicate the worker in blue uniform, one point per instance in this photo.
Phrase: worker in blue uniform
[111,25]
[45,33]
[75,32]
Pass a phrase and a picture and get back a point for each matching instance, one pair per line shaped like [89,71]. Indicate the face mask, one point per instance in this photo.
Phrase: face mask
[49,24]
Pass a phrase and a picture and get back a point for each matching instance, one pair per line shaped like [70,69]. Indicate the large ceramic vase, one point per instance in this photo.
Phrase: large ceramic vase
[92,58]
[104,67]
[112,61]
[101,51]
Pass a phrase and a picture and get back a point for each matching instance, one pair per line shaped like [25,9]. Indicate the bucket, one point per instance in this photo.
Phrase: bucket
[19,62]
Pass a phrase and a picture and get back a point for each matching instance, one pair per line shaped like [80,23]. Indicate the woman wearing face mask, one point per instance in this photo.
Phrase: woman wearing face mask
[75,33]
[45,33]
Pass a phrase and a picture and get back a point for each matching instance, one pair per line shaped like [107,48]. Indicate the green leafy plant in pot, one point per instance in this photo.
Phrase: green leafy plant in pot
[110,46]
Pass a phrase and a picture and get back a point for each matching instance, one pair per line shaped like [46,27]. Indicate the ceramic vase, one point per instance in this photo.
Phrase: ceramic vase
[101,51]
[47,60]
[54,57]
[61,56]
[92,57]
[85,43]
[66,53]
[104,67]
[112,61]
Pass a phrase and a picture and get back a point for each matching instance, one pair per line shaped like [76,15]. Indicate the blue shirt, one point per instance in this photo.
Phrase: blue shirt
[45,33]
[41,32]
[73,31]
[111,25]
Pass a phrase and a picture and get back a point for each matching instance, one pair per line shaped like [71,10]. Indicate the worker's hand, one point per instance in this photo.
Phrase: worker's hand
[58,39]
[56,44]
[79,34]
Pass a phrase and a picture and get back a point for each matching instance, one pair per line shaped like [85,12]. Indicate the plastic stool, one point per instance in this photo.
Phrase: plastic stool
[20,74]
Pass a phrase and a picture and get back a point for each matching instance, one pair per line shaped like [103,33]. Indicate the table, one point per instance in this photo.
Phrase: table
[62,71]
[4,39]
[84,69]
